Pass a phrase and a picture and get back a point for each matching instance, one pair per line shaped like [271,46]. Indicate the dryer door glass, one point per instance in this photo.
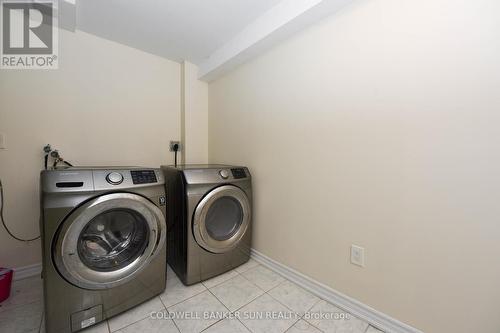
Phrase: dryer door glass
[113,239]
[224,218]
[221,219]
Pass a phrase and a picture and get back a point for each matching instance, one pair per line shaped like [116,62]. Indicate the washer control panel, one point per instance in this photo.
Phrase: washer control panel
[121,179]
[88,179]
[143,177]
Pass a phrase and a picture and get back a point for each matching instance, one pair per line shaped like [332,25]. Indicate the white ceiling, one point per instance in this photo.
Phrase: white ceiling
[175,29]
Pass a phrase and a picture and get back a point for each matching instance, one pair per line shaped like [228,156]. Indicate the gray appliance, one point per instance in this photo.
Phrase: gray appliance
[209,219]
[103,243]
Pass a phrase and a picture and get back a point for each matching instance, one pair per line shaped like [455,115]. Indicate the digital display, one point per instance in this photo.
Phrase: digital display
[238,173]
[143,176]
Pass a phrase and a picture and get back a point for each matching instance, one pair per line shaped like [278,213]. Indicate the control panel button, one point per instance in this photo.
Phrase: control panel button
[114,178]
[224,174]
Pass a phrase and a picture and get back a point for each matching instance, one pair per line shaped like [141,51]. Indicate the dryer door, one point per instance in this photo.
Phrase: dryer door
[109,240]
[221,219]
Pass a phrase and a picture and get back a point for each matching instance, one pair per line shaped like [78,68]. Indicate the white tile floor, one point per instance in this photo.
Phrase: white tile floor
[251,298]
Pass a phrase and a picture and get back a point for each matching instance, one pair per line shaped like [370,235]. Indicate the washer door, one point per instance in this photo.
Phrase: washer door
[109,240]
[221,219]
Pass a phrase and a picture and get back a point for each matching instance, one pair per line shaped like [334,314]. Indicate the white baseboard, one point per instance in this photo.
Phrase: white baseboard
[27,271]
[360,310]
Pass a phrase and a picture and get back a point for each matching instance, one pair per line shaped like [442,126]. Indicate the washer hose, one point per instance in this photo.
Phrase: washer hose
[3,221]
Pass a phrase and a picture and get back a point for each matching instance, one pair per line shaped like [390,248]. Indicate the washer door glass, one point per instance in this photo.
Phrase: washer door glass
[113,239]
[107,241]
[221,219]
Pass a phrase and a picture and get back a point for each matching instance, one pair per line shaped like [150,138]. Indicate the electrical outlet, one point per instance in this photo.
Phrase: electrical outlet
[3,145]
[172,143]
[357,255]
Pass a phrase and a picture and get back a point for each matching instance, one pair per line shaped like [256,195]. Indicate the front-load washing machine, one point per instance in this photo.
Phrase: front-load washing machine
[209,219]
[103,243]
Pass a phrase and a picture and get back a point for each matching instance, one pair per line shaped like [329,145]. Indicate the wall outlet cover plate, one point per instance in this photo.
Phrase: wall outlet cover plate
[357,255]
[172,143]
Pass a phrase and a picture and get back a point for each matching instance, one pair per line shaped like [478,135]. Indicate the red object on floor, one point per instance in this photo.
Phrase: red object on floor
[5,283]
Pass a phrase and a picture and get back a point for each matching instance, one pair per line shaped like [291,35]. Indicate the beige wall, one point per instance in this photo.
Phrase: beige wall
[194,114]
[379,127]
[107,104]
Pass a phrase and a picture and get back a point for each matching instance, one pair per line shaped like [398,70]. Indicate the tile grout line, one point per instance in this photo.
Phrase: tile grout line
[257,264]
[253,299]
[206,289]
[241,274]
[217,320]
[135,322]
[175,324]
[267,293]
[260,289]
[248,328]
[209,291]
[224,305]
[295,322]
[316,327]
[307,321]
[276,286]
[286,306]
[254,282]
[279,284]
[128,325]
[31,313]
[300,317]
[166,308]
[264,293]
[218,284]
[242,305]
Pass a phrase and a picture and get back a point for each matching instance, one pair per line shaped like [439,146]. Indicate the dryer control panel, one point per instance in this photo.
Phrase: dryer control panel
[214,174]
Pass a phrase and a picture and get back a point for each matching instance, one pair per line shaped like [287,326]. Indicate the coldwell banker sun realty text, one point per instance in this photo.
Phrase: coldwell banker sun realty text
[29,34]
